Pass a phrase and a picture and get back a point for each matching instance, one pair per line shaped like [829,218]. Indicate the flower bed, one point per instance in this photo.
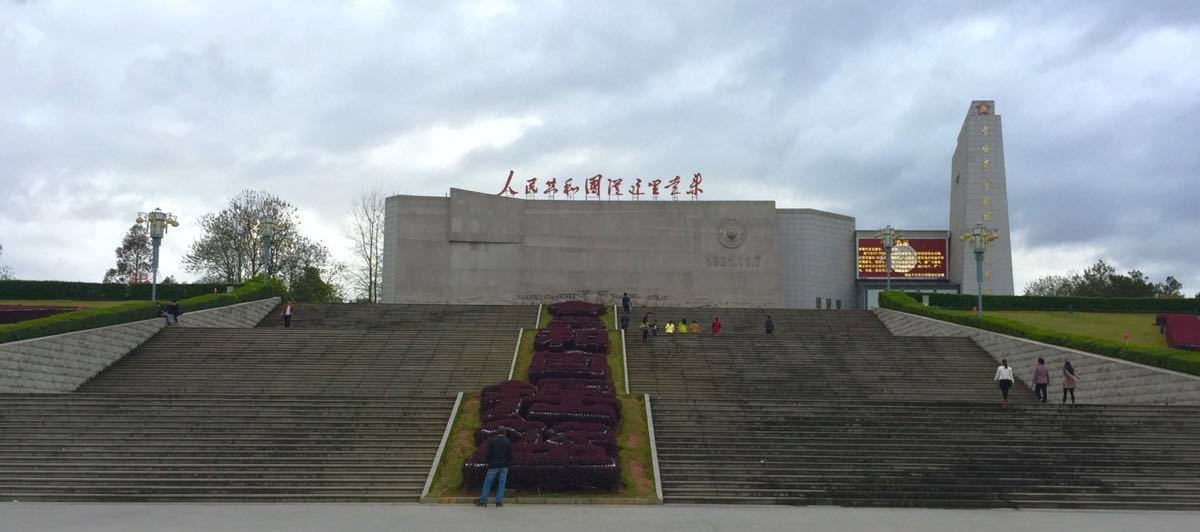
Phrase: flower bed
[18,313]
[564,422]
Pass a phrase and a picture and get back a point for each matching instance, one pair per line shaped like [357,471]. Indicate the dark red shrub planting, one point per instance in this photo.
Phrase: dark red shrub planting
[516,429]
[590,340]
[17,313]
[565,385]
[603,440]
[560,339]
[573,396]
[567,365]
[510,386]
[573,409]
[503,409]
[577,322]
[550,466]
[577,308]
[578,426]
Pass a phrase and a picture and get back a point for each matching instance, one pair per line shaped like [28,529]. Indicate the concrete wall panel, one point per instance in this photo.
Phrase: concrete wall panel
[661,252]
[61,363]
[1102,380]
[817,250]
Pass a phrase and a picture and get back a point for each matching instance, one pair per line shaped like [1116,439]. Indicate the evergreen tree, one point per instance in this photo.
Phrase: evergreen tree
[133,258]
[310,287]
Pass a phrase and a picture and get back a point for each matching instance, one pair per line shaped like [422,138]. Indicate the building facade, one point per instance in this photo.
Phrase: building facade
[475,248]
[484,249]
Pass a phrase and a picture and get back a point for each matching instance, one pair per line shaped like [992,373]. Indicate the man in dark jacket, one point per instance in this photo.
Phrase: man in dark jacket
[173,311]
[625,302]
[770,326]
[499,455]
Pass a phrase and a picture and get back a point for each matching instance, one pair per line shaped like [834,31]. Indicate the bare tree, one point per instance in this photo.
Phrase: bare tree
[6,273]
[366,233]
[133,258]
[230,249]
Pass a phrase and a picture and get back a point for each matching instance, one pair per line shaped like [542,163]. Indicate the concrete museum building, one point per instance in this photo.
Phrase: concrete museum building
[472,247]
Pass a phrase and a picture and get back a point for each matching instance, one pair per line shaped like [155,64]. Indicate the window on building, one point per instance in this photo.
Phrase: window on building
[828,304]
[818,303]
[839,304]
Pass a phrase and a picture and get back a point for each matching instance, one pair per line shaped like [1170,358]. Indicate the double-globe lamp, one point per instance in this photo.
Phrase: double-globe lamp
[888,236]
[980,238]
[157,222]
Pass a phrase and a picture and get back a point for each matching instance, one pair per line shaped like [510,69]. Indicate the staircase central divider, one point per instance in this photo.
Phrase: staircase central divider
[516,350]
[437,459]
[653,449]
[625,362]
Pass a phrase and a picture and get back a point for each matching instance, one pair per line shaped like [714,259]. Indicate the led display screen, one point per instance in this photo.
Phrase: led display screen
[912,258]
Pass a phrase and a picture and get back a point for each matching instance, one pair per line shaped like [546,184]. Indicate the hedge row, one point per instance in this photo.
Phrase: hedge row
[1161,357]
[101,291]
[130,312]
[1078,304]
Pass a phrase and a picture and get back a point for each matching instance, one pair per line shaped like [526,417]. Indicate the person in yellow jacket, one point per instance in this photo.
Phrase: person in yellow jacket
[694,328]
[670,328]
[681,327]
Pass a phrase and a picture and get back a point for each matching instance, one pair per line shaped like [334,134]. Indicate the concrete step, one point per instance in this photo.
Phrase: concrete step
[937,454]
[84,447]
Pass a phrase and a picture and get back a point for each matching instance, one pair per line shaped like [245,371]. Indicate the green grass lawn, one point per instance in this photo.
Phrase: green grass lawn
[1104,325]
[64,303]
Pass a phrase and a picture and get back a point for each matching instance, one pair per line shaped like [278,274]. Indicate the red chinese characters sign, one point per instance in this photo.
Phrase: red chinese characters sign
[596,185]
[912,258]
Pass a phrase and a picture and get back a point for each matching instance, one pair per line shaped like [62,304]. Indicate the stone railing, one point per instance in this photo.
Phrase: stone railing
[1102,380]
[236,316]
[62,362]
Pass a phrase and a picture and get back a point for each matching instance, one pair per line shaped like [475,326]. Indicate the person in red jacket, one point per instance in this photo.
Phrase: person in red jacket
[716,326]
[287,313]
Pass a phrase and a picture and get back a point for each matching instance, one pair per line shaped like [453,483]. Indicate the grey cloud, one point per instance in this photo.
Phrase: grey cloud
[847,104]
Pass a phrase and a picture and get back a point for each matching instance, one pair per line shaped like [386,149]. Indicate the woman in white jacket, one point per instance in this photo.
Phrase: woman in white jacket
[1004,377]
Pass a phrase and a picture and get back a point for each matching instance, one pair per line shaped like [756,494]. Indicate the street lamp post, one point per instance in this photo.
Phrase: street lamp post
[157,222]
[888,236]
[980,237]
[266,229]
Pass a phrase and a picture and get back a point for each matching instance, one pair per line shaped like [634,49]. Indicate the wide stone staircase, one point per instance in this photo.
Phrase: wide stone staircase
[312,361]
[350,408]
[788,322]
[447,318]
[213,447]
[865,418]
[930,454]
[813,353]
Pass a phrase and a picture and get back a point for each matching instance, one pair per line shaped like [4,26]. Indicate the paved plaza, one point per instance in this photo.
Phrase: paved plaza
[63,517]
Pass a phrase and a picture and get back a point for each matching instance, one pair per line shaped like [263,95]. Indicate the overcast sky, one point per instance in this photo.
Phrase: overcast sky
[110,108]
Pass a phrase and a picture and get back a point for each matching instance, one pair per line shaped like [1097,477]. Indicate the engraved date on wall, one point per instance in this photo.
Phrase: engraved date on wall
[744,262]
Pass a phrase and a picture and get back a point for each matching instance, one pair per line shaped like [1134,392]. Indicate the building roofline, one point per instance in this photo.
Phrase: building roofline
[815,211]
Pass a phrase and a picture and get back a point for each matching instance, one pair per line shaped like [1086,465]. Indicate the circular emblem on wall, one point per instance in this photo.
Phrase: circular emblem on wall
[904,258]
[731,233]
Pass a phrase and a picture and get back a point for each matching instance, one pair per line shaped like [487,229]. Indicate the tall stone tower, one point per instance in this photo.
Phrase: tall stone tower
[979,193]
